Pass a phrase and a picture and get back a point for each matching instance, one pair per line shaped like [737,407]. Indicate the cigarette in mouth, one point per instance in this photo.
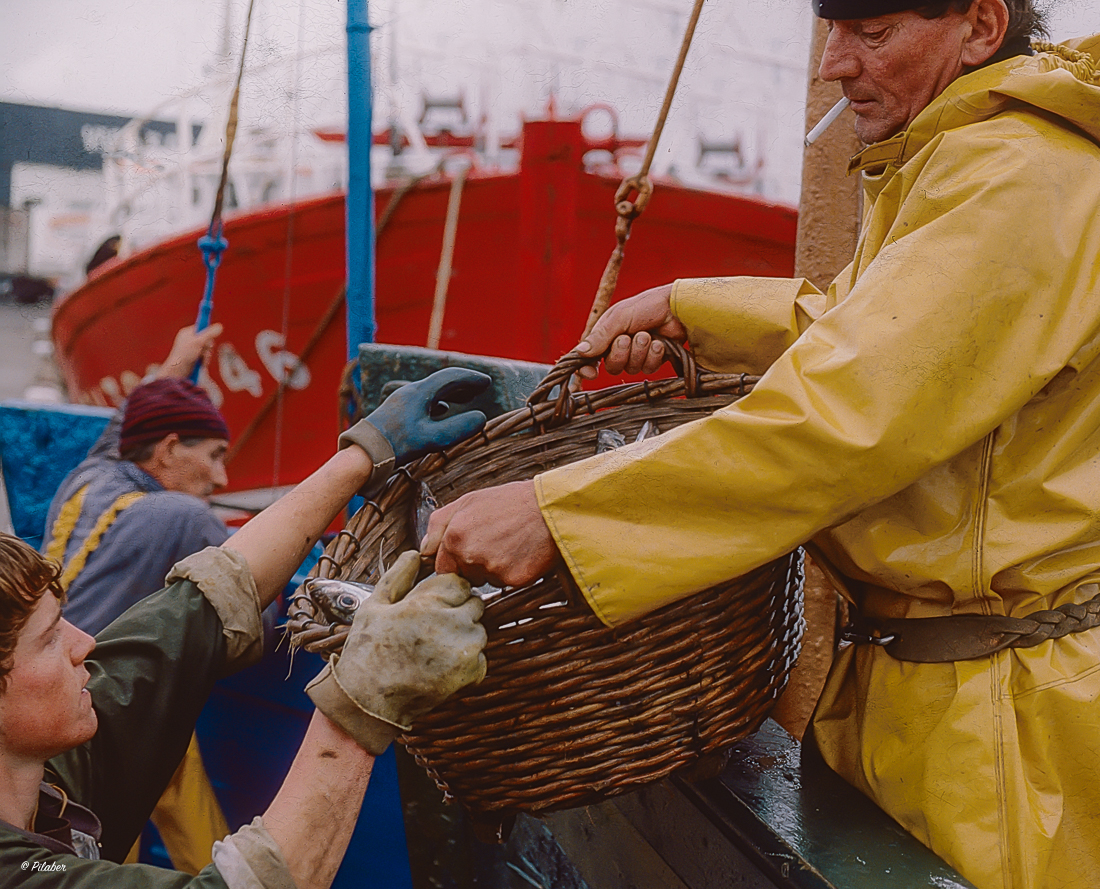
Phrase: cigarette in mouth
[825,122]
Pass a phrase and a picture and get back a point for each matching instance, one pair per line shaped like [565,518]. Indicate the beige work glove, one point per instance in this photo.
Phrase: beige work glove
[409,648]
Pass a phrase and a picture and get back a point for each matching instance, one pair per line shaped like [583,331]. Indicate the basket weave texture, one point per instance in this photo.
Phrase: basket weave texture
[573,712]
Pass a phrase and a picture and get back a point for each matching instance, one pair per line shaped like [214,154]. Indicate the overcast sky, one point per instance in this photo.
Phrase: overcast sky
[128,55]
[743,86]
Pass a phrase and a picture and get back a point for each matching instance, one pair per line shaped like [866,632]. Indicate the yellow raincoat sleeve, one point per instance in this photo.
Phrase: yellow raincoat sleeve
[741,325]
[947,332]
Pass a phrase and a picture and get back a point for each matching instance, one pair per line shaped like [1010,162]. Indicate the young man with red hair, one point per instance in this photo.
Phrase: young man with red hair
[92,730]
[135,506]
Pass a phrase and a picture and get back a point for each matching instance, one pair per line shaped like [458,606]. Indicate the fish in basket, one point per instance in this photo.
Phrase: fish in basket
[572,711]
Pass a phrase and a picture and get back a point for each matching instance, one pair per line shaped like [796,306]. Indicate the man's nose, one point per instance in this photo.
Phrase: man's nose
[221,477]
[838,61]
[82,644]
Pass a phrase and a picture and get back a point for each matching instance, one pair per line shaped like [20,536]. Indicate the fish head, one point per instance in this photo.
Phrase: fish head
[609,440]
[339,600]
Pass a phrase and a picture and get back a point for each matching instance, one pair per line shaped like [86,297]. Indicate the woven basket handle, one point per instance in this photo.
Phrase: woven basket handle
[560,375]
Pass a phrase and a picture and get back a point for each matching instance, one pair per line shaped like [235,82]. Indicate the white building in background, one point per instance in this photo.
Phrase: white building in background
[63,209]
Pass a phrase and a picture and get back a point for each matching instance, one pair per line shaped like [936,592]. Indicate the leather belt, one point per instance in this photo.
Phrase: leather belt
[963,637]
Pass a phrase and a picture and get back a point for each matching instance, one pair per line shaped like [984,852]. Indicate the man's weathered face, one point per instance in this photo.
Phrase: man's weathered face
[196,468]
[44,707]
[891,67]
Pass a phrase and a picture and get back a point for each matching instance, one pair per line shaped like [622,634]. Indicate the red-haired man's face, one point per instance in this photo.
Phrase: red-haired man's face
[44,707]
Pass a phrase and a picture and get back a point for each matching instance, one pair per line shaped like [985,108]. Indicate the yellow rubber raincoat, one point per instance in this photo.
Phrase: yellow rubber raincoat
[933,423]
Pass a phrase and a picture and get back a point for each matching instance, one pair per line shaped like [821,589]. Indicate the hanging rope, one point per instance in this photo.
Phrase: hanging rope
[443,273]
[629,209]
[212,244]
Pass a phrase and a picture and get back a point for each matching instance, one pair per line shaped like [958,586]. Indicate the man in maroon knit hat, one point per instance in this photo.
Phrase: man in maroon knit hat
[172,430]
[137,504]
[133,508]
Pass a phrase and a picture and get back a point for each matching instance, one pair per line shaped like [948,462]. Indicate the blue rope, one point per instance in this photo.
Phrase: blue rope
[212,245]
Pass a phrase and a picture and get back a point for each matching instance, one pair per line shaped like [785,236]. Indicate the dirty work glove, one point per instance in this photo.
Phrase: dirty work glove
[411,422]
[405,653]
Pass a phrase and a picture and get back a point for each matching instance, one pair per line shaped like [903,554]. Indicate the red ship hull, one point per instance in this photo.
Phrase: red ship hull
[529,252]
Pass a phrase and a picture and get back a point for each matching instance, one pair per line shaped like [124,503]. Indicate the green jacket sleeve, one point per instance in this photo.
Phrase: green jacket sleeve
[250,857]
[980,293]
[152,671]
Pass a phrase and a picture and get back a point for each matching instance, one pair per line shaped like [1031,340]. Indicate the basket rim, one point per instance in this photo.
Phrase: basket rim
[547,426]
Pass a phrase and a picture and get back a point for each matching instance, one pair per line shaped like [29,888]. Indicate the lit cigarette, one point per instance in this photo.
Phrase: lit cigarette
[825,122]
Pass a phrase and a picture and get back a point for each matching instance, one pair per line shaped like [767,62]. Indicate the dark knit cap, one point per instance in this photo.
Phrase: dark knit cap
[168,405]
[862,9]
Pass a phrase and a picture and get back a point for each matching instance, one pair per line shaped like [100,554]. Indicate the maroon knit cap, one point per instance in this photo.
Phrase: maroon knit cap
[169,405]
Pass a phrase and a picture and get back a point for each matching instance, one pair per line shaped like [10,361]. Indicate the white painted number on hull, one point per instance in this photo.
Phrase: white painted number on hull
[279,363]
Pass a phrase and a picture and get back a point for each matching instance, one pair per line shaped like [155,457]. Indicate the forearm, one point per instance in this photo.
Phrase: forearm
[741,325]
[904,375]
[314,813]
[276,541]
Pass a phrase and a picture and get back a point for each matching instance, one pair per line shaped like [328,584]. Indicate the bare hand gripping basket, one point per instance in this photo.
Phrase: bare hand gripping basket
[573,712]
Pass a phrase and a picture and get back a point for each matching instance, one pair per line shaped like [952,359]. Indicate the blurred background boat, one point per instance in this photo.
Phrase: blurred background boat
[527,249]
[494,168]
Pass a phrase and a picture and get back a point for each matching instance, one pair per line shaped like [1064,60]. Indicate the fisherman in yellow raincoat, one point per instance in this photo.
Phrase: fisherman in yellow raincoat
[931,422]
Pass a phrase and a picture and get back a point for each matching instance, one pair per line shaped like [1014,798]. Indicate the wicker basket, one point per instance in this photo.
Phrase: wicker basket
[573,712]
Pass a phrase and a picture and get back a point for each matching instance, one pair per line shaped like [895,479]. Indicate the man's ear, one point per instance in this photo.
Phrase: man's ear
[988,25]
[163,452]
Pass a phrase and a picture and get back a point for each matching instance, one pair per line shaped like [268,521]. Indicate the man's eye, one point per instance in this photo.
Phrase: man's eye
[876,36]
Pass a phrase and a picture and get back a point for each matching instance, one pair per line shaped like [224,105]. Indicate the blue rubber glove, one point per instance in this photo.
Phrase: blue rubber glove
[415,420]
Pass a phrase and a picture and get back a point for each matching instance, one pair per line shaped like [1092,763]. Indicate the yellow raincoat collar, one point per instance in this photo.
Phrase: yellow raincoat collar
[1062,79]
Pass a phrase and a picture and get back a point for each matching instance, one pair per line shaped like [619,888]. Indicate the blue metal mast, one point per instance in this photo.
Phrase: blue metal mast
[360,198]
[378,847]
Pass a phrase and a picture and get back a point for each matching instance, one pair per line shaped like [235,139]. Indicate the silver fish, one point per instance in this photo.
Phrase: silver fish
[423,507]
[609,440]
[338,599]
[612,439]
